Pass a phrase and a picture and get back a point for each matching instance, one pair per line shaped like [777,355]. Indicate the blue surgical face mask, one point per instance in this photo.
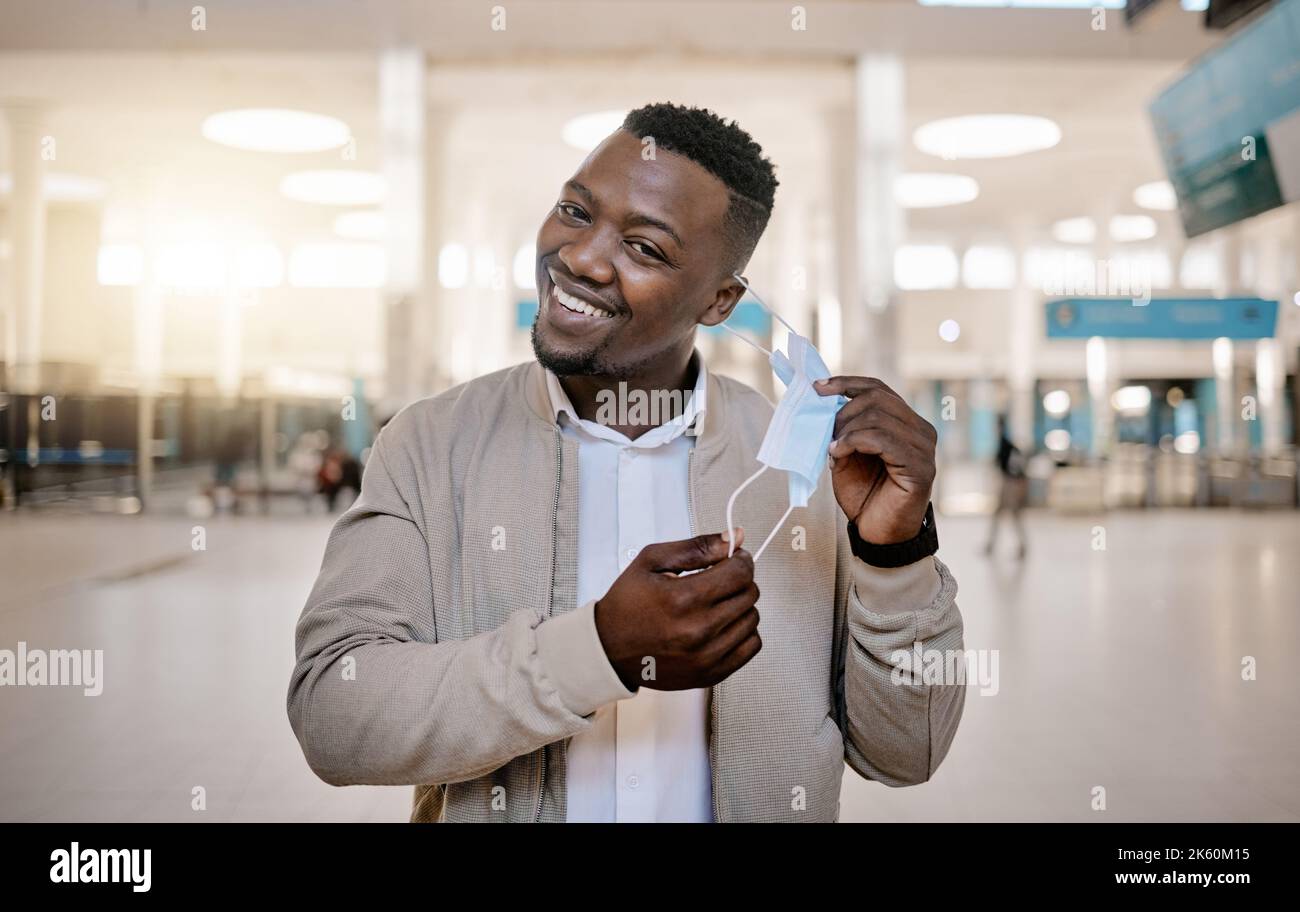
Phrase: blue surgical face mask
[799,434]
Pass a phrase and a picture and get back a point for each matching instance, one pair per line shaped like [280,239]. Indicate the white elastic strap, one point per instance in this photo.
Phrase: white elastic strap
[775,529]
[731,502]
[744,338]
[741,280]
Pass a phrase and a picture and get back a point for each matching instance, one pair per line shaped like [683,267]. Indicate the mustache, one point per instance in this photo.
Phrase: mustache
[606,294]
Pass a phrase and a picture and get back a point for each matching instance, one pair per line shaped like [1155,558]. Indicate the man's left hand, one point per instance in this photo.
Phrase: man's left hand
[882,459]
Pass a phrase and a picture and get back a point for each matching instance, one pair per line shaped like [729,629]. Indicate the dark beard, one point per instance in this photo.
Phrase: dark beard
[586,364]
[581,365]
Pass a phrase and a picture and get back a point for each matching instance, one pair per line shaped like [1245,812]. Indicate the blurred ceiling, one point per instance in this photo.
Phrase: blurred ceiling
[462,29]
[126,84]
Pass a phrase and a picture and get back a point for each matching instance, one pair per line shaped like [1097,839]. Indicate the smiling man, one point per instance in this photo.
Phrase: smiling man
[530,613]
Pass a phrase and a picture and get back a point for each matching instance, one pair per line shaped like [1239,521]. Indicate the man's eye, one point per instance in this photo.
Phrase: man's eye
[645,249]
[572,211]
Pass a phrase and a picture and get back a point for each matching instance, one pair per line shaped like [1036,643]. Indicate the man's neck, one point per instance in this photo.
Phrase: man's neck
[637,404]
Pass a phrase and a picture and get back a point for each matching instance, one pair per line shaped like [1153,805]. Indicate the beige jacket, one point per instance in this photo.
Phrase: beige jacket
[441,645]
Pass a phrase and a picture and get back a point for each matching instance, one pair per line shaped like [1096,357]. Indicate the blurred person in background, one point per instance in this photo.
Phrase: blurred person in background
[231,451]
[1013,489]
[338,470]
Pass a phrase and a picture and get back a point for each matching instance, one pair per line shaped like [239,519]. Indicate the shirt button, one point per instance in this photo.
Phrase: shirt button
[631,553]
[633,782]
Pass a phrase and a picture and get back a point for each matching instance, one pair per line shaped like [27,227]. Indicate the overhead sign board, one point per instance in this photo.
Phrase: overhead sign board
[1162,318]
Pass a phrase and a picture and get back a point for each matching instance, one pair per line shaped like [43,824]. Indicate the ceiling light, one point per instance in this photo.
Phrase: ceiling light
[337,264]
[586,131]
[986,136]
[929,191]
[367,225]
[120,265]
[193,267]
[988,266]
[334,187]
[1157,195]
[1057,403]
[1081,230]
[923,267]
[1132,228]
[1057,440]
[275,130]
[1131,400]
[259,266]
[949,330]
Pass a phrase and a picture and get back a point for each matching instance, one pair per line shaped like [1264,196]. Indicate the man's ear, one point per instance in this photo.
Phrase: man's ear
[725,299]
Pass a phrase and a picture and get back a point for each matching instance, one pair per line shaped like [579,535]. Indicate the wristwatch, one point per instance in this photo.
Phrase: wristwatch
[898,554]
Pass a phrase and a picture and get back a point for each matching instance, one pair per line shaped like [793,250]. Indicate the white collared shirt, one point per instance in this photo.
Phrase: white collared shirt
[645,758]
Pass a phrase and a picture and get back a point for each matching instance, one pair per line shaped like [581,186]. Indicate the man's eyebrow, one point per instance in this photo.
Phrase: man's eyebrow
[582,191]
[637,218]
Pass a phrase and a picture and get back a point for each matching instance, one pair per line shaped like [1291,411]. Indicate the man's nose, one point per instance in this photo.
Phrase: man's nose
[591,257]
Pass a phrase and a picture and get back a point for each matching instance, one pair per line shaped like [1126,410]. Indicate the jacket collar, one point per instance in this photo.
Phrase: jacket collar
[710,424]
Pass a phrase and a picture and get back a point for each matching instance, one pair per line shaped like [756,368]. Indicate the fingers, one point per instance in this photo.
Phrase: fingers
[726,578]
[898,435]
[867,394]
[725,612]
[737,658]
[688,554]
[853,386]
[877,400]
[741,626]
[907,459]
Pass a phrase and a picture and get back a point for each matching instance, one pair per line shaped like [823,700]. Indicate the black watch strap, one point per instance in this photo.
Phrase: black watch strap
[899,554]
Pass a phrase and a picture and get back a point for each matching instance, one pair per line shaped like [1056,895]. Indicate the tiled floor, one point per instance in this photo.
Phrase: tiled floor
[1118,668]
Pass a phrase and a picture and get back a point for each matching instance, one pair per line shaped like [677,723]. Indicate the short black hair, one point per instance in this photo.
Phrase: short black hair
[728,153]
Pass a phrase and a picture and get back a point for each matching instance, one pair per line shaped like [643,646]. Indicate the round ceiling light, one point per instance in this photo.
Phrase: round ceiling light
[334,187]
[1158,196]
[275,130]
[586,131]
[1132,228]
[986,136]
[1081,230]
[929,191]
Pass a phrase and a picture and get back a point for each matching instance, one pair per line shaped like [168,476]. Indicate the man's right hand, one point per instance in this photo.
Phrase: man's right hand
[697,629]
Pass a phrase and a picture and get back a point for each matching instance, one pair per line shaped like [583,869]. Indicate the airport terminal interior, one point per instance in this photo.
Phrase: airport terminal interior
[236,239]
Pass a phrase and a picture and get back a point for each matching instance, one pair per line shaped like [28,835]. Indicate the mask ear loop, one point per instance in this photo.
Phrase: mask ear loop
[741,279]
[775,529]
[731,503]
[743,338]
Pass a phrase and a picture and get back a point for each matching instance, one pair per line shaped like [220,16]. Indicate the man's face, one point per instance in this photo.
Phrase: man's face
[640,243]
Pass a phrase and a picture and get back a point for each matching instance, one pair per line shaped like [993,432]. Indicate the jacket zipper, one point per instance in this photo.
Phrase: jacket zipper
[713,692]
[550,601]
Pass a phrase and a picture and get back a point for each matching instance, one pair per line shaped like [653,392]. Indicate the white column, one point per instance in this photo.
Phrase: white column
[1224,356]
[402,75]
[1026,327]
[1101,372]
[870,231]
[1270,382]
[27,247]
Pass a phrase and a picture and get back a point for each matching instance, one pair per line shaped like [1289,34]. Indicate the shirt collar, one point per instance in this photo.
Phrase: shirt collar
[562,410]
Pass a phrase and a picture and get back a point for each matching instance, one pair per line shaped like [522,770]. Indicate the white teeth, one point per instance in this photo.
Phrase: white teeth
[569,302]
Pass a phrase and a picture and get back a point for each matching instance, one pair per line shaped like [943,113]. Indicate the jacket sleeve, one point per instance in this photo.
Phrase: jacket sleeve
[897,729]
[375,699]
